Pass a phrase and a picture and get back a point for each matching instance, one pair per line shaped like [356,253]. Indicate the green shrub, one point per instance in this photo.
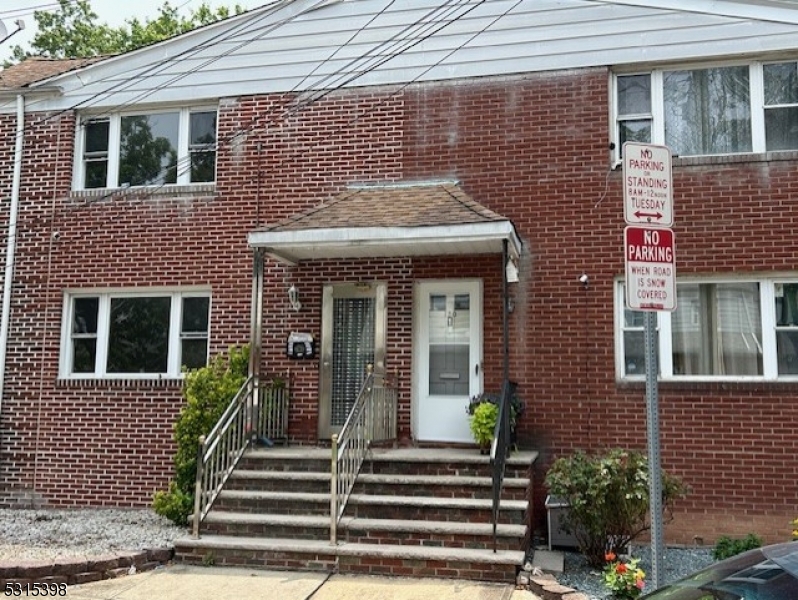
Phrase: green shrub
[726,546]
[483,423]
[608,499]
[207,392]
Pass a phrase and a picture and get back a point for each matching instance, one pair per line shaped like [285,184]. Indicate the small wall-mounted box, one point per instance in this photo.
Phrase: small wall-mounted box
[557,508]
[300,345]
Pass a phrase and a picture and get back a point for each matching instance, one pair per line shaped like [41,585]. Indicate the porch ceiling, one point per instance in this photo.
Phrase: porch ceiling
[403,219]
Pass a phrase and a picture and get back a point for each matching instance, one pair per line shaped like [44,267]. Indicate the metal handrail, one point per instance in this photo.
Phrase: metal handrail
[498,453]
[372,418]
[219,451]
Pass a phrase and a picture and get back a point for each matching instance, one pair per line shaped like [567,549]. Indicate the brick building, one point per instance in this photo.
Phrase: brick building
[386,163]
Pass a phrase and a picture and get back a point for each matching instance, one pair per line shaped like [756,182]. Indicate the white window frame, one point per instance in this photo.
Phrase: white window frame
[767,287]
[757,99]
[114,131]
[173,370]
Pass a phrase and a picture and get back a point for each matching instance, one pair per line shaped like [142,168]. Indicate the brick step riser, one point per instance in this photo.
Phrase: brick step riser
[433,539]
[415,538]
[440,469]
[379,489]
[277,507]
[266,531]
[432,513]
[436,491]
[261,559]
[361,565]
[255,484]
[302,465]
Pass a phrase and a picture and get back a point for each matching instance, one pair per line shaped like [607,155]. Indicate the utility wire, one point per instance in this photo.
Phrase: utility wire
[142,193]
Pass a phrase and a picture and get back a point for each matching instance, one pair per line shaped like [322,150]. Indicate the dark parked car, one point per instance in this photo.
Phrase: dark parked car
[768,573]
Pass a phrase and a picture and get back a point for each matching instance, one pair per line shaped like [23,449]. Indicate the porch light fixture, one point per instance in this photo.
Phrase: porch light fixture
[511,271]
[293,298]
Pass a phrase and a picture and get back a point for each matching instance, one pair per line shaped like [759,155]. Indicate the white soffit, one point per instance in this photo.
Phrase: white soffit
[294,246]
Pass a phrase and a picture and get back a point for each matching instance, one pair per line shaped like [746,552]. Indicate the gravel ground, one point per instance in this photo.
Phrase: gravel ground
[47,534]
[676,563]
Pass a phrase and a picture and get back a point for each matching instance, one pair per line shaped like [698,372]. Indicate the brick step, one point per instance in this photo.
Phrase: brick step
[425,508]
[432,533]
[371,559]
[368,531]
[369,506]
[274,481]
[400,461]
[294,458]
[284,503]
[379,484]
[445,462]
[438,486]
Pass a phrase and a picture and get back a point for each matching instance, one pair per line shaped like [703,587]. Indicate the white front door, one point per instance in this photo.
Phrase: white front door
[448,358]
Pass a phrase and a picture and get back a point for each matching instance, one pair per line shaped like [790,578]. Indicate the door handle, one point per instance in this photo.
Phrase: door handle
[476,369]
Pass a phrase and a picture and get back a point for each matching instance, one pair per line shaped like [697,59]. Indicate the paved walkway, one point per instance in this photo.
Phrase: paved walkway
[215,583]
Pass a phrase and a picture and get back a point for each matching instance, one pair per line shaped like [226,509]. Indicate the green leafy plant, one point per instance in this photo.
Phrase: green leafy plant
[726,546]
[207,392]
[608,499]
[623,579]
[483,423]
[516,405]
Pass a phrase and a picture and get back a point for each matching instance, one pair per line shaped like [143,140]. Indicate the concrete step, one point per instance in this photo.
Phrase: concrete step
[374,559]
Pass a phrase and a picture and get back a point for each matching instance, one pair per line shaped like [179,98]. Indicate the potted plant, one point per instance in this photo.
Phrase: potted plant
[493,399]
[483,424]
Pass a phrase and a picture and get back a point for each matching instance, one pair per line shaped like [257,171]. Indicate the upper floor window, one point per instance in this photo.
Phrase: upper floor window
[134,334]
[738,329]
[710,111]
[147,149]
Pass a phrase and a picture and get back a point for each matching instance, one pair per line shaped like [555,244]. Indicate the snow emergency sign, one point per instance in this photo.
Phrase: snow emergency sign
[647,186]
[650,255]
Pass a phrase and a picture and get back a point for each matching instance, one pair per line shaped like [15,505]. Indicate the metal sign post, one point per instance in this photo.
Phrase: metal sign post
[654,471]
[650,258]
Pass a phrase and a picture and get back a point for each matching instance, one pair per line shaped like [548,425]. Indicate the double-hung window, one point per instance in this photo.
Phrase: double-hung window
[155,148]
[715,110]
[139,334]
[721,329]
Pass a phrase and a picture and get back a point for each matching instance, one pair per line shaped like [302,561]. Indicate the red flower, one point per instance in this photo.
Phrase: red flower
[609,556]
[620,569]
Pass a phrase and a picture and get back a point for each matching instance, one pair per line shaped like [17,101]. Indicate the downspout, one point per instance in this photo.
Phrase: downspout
[11,244]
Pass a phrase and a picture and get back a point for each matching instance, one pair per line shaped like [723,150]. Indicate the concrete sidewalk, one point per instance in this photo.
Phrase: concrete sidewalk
[214,583]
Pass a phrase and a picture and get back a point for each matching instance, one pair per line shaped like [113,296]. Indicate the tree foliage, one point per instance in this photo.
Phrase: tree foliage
[73,31]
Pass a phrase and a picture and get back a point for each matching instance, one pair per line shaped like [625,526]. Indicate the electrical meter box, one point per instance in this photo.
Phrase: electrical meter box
[300,345]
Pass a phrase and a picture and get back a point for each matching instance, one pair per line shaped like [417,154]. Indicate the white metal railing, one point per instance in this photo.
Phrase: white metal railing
[372,418]
[252,415]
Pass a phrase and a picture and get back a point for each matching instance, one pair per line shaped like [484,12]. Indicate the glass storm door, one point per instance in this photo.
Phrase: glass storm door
[448,358]
[353,336]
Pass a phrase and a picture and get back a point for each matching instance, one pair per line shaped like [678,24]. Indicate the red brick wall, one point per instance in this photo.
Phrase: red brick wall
[537,152]
[534,149]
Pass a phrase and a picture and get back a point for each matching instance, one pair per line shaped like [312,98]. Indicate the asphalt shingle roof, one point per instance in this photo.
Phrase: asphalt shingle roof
[392,205]
[37,68]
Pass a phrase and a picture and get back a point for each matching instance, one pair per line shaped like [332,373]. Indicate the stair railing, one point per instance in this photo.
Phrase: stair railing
[219,451]
[372,418]
[498,454]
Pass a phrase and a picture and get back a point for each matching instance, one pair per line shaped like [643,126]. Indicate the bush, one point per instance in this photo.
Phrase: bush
[726,546]
[608,498]
[207,392]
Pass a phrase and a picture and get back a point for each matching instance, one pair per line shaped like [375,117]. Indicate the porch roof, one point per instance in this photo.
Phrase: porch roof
[397,219]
